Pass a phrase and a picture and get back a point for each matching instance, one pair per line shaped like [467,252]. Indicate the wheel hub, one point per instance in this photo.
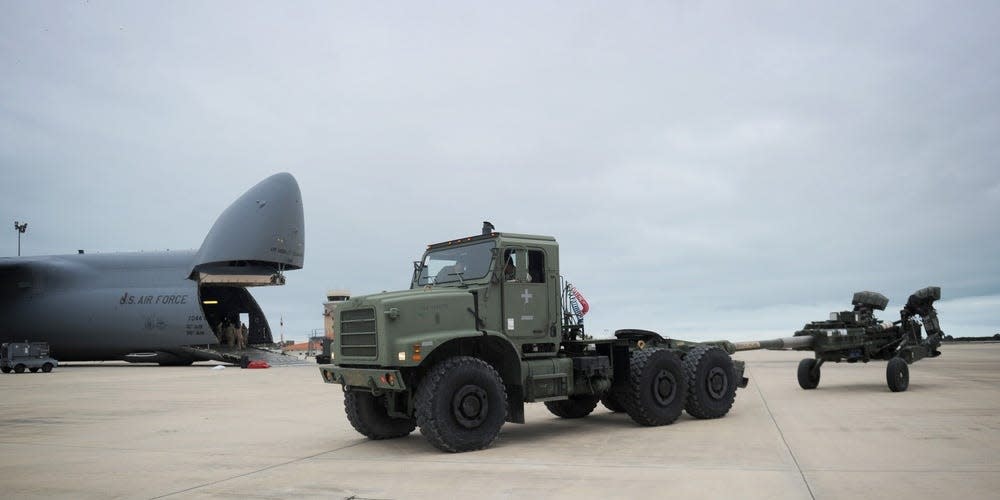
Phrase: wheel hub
[470,405]
[717,383]
[664,387]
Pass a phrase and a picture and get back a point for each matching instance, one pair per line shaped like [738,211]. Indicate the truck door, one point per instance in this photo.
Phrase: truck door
[525,294]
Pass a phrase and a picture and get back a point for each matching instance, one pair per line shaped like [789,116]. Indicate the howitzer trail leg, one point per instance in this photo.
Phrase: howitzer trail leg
[922,303]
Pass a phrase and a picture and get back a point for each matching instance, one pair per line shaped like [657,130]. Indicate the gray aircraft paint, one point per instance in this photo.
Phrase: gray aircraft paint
[107,306]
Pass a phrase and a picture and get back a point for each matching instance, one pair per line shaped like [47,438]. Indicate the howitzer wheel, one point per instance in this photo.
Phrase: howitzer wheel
[711,382]
[657,387]
[574,407]
[369,416]
[461,404]
[612,400]
[897,375]
[808,374]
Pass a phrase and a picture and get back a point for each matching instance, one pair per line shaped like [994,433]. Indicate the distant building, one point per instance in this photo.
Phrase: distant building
[313,346]
[333,298]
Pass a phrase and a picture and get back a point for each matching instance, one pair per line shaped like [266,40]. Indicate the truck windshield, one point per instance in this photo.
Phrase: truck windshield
[447,264]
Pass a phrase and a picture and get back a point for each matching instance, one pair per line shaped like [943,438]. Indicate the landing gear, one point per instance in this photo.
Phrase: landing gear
[461,404]
[711,382]
[897,375]
[657,387]
[809,373]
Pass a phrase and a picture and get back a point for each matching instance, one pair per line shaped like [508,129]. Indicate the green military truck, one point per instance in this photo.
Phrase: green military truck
[486,326]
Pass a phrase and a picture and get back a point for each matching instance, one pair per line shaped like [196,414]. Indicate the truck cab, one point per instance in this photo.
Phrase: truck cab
[485,327]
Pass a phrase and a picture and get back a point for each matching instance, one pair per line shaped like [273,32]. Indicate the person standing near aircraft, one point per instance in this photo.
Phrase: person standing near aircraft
[230,333]
[243,335]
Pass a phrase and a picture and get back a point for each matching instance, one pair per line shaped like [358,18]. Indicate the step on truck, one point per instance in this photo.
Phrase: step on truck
[487,325]
[19,356]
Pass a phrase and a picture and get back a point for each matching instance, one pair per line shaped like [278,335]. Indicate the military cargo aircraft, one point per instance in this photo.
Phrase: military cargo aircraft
[159,307]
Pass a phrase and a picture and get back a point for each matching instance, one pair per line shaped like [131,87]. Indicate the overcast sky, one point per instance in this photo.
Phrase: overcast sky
[710,169]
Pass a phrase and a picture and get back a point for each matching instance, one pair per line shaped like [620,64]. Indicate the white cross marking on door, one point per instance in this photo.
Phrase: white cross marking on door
[526,296]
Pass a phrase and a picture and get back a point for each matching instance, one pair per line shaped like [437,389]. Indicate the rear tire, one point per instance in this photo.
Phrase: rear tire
[33,369]
[5,369]
[18,368]
[657,387]
[711,382]
[897,375]
[574,407]
[461,404]
[369,416]
[47,367]
[613,401]
[806,378]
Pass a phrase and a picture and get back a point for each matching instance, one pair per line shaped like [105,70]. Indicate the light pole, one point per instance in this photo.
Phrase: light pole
[20,228]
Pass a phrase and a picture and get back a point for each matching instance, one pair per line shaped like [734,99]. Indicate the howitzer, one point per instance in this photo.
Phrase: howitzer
[857,335]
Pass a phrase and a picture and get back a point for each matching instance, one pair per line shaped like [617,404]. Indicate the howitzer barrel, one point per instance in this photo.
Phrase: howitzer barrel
[804,341]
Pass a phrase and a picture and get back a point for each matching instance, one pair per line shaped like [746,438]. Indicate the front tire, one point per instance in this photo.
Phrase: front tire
[613,401]
[897,375]
[807,379]
[19,369]
[369,416]
[461,404]
[711,382]
[47,367]
[574,407]
[657,387]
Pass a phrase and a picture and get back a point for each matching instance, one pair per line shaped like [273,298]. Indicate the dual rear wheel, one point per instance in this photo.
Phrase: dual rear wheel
[661,385]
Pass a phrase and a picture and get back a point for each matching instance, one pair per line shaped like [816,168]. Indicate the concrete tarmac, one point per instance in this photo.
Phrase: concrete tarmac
[110,430]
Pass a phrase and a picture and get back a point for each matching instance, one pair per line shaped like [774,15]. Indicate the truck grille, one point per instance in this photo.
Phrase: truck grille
[358,338]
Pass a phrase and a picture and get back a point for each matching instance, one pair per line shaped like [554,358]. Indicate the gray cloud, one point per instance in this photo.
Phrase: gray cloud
[708,169]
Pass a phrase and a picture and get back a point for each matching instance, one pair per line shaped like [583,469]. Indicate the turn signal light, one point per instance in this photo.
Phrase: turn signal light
[416,353]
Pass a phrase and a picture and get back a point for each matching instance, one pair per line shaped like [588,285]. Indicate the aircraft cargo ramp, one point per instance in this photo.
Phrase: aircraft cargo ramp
[139,431]
[234,355]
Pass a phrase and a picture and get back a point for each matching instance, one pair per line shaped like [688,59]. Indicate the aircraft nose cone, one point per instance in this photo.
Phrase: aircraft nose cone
[265,224]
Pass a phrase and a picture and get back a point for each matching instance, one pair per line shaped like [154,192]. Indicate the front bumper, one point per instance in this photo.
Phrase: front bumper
[386,379]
